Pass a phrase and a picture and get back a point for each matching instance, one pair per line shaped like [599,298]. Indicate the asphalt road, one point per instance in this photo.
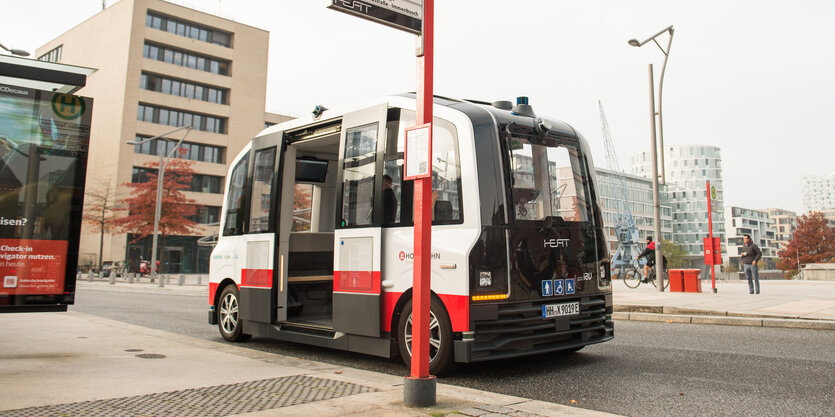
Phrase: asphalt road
[649,369]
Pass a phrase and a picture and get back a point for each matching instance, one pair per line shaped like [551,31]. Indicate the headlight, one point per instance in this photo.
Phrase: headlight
[485,279]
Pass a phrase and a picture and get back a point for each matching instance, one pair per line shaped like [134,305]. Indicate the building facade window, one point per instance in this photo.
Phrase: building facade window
[52,56]
[200,183]
[171,117]
[188,29]
[206,215]
[185,59]
[182,88]
[192,151]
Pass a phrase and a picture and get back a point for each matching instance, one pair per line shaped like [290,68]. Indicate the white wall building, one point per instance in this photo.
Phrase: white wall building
[784,224]
[756,223]
[819,192]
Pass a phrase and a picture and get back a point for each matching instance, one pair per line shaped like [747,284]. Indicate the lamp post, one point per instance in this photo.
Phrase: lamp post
[635,43]
[659,258]
[160,175]
[15,51]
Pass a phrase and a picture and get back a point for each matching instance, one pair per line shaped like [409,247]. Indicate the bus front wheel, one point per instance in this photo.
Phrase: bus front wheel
[228,317]
[440,337]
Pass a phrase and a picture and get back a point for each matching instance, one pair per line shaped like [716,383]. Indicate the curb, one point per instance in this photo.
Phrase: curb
[723,319]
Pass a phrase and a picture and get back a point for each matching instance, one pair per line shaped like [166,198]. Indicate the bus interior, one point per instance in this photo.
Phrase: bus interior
[312,163]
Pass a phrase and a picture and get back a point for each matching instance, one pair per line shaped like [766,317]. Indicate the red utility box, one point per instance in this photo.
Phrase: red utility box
[676,280]
[692,283]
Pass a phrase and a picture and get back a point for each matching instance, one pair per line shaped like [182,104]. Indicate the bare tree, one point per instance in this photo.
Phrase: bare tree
[100,203]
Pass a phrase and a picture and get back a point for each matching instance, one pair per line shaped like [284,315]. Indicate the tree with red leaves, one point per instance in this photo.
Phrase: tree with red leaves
[813,242]
[176,211]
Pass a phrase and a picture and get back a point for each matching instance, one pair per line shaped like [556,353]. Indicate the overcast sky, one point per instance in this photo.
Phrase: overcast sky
[752,77]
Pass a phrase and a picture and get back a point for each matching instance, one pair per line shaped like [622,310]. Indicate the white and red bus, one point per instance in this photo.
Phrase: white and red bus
[316,235]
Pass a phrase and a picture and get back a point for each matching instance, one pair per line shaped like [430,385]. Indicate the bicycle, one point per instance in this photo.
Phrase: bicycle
[634,276]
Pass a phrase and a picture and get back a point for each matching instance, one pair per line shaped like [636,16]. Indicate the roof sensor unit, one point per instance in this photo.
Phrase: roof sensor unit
[502,105]
[522,108]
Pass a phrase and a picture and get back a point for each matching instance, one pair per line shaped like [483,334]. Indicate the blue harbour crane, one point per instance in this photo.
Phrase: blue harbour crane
[625,229]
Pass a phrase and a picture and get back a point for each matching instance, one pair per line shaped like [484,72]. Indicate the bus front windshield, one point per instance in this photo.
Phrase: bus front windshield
[549,180]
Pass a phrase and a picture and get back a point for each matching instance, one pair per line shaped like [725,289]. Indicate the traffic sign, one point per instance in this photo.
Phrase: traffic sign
[406,15]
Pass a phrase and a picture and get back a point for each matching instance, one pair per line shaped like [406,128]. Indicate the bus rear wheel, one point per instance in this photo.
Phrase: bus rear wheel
[440,337]
[228,319]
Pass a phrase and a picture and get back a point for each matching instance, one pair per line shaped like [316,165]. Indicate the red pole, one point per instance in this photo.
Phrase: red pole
[423,207]
[713,247]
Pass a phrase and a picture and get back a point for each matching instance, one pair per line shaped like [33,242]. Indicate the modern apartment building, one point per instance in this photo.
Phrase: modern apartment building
[755,223]
[163,66]
[784,224]
[639,193]
[819,192]
[687,169]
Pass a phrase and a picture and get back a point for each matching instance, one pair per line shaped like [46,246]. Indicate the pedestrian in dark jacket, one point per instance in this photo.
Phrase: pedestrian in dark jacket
[750,255]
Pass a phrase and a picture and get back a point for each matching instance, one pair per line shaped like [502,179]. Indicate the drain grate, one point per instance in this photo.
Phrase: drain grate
[220,400]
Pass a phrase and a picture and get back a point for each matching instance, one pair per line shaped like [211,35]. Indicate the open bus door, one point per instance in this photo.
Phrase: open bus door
[357,237]
[259,244]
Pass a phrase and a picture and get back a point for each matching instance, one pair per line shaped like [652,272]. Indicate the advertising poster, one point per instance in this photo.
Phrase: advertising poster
[44,138]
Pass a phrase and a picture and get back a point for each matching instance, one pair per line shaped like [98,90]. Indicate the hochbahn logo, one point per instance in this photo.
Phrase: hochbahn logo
[410,255]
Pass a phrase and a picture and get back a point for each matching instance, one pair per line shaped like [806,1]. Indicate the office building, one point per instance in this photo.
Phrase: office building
[755,223]
[163,66]
[819,192]
[639,193]
[687,170]
[784,224]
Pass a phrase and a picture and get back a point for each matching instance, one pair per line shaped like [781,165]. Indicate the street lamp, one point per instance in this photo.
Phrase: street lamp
[15,51]
[635,43]
[162,163]
[659,259]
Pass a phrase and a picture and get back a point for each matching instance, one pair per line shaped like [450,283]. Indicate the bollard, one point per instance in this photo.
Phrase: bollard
[130,278]
[200,280]
[90,276]
[112,278]
[181,279]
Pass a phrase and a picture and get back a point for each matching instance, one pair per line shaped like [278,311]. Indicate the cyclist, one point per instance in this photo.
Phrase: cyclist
[649,253]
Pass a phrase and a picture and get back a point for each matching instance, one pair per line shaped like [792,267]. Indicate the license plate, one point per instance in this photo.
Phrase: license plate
[557,310]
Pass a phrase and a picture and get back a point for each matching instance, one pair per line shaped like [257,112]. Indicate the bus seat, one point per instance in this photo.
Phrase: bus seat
[443,211]
[311,242]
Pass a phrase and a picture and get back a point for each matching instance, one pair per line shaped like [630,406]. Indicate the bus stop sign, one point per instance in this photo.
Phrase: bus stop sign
[406,15]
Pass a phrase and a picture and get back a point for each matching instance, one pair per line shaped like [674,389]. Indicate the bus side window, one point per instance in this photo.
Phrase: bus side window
[358,176]
[262,185]
[234,224]
[446,172]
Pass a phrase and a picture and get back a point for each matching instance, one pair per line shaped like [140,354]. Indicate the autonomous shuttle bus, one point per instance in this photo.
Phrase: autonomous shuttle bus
[316,235]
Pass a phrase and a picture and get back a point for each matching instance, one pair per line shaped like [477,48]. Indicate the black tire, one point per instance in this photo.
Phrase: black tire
[228,319]
[666,279]
[632,278]
[440,337]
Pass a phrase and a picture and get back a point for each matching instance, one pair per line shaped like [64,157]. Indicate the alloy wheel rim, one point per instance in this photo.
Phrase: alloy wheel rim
[229,313]
[434,336]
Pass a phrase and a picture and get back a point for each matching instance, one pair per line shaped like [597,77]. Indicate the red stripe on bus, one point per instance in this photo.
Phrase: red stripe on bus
[367,282]
[458,307]
[212,292]
[256,277]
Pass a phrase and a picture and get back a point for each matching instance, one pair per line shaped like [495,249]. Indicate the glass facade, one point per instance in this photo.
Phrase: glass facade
[687,168]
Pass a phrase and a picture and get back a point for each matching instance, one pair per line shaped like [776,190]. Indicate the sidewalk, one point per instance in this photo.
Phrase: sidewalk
[798,304]
[73,364]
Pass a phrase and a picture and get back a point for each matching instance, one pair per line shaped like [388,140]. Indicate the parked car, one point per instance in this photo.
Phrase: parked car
[111,267]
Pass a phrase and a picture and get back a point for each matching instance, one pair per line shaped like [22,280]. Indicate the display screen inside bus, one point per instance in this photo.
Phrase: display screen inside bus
[44,139]
[311,170]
